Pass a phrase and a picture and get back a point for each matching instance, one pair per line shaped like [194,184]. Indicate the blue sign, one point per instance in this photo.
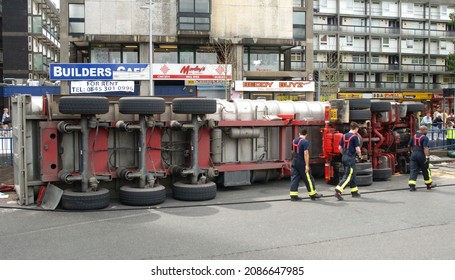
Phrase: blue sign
[91,71]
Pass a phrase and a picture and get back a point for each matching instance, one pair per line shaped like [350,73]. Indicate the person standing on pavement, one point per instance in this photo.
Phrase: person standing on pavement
[426,120]
[301,167]
[450,136]
[420,159]
[349,146]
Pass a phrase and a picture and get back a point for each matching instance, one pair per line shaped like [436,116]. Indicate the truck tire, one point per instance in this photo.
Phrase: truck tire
[142,105]
[84,105]
[364,180]
[414,107]
[359,103]
[381,106]
[193,106]
[382,174]
[359,115]
[76,200]
[364,168]
[197,192]
[142,196]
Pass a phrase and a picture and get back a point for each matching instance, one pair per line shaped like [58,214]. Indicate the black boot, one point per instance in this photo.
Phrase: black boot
[296,198]
[338,195]
[412,188]
[315,196]
[355,194]
[431,186]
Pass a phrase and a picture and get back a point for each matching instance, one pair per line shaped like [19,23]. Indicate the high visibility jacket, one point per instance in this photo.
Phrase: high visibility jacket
[451,133]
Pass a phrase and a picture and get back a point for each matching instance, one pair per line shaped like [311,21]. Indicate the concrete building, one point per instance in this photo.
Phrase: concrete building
[347,46]
[29,40]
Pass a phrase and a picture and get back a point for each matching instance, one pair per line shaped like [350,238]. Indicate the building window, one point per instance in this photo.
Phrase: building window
[323,40]
[443,45]
[114,53]
[298,3]
[297,59]
[299,25]
[385,42]
[349,41]
[261,59]
[76,19]
[194,15]
[409,43]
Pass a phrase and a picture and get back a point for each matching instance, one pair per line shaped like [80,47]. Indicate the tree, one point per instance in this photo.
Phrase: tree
[450,59]
[225,54]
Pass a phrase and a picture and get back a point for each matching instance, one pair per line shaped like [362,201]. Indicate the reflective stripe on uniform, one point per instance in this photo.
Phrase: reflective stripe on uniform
[310,182]
[348,179]
[294,193]
[412,182]
[354,189]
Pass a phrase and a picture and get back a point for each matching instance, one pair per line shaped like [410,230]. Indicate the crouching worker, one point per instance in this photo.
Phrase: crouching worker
[420,159]
[301,167]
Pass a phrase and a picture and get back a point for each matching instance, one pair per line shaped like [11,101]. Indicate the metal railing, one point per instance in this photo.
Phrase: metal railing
[6,147]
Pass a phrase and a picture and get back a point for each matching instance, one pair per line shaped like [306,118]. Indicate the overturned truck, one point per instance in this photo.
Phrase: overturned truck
[140,149]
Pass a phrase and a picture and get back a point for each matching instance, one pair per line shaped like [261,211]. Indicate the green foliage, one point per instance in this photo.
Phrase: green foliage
[450,59]
[452,19]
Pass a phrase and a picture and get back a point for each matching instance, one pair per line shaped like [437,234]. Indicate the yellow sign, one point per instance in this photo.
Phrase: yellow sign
[387,95]
[350,95]
[333,114]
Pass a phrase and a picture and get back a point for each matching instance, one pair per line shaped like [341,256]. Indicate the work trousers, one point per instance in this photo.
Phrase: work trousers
[349,177]
[298,173]
[418,163]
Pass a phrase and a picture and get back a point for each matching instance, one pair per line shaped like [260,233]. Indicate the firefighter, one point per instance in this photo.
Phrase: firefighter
[450,136]
[349,146]
[420,159]
[301,168]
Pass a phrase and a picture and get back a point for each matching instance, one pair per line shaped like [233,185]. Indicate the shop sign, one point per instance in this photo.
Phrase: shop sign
[138,71]
[387,95]
[350,95]
[271,86]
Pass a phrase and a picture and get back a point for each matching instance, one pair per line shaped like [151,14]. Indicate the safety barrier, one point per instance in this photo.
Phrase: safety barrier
[6,147]
[438,138]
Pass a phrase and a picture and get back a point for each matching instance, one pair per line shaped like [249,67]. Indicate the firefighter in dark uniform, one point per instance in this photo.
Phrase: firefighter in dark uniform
[301,167]
[349,145]
[420,159]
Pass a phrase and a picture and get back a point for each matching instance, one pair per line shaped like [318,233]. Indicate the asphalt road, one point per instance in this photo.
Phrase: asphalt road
[255,222]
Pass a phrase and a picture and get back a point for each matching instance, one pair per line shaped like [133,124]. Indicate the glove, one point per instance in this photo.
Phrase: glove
[427,160]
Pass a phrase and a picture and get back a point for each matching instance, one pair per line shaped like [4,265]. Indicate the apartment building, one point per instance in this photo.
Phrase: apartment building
[383,46]
[277,48]
[29,40]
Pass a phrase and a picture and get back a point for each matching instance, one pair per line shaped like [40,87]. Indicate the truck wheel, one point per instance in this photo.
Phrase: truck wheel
[142,196]
[414,107]
[142,105]
[85,105]
[381,106]
[193,106]
[364,168]
[382,174]
[364,180]
[359,103]
[197,192]
[359,115]
[76,200]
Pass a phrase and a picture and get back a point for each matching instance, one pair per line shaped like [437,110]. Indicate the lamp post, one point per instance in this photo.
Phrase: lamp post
[151,85]
[149,7]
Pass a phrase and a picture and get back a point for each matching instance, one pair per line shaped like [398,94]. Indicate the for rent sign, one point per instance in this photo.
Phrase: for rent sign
[101,86]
